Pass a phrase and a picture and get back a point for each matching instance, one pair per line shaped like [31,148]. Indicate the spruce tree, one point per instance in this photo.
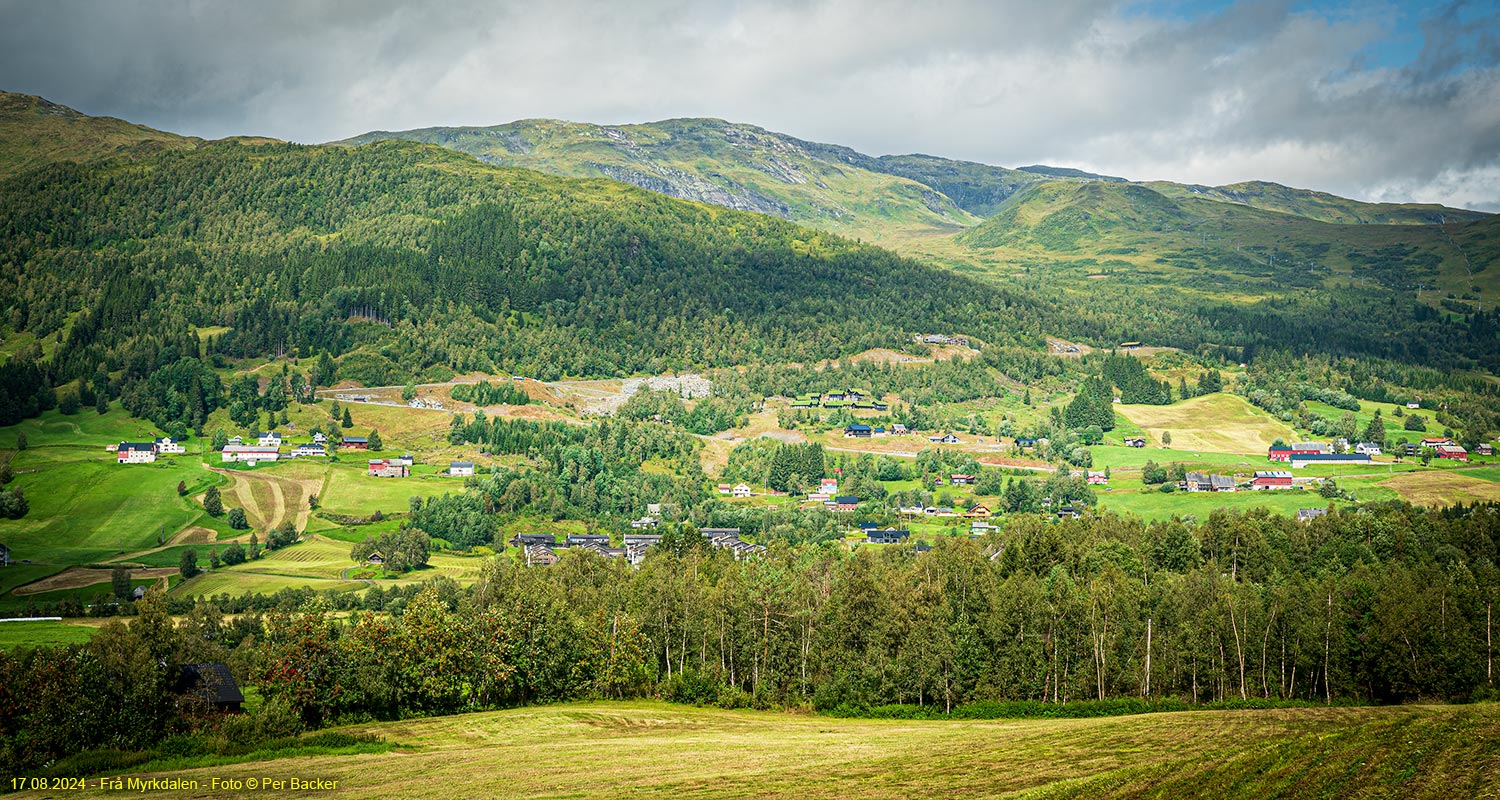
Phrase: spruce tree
[212,502]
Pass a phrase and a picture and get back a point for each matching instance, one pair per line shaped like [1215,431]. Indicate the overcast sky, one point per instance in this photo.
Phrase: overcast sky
[1396,101]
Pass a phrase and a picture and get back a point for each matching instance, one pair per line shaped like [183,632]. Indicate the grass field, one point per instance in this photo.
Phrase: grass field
[647,749]
[1219,423]
[1443,488]
[15,635]
[1155,505]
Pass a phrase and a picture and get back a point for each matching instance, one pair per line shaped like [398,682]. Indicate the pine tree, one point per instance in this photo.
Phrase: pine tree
[375,443]
[212,503]
[348,420]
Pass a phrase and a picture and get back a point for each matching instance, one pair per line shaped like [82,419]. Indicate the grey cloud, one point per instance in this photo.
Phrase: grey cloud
[1261,90]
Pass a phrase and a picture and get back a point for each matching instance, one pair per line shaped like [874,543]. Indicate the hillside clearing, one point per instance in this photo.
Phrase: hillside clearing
[1216,423]
[648,749]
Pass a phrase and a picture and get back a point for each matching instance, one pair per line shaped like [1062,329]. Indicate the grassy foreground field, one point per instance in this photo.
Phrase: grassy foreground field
[1215,423]
[646,749]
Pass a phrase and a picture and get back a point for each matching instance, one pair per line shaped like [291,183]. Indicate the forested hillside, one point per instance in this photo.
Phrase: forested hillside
[34,131]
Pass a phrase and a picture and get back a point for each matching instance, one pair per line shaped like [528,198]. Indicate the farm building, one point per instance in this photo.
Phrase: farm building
[947,438]
[1204,482]
[1098,478]
[1485,449]
[213,685]
[1135,441]
[460,469]
[858,430]
[1267,480]
[1452,451]
[308,449]
[135,453]
[355,442]
[384,468]
[249,453]
[845,502]
[898,428]
[1300,461]
[961,480]
[724,488]
[1286,452]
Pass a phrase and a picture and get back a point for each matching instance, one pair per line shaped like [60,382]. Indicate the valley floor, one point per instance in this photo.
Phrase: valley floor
[650,749]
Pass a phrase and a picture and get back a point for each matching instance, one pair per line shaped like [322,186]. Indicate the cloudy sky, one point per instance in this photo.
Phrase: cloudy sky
[1393,101]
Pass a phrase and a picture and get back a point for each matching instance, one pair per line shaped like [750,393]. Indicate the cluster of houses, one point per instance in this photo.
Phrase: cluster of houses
[400,467]
[540,549]
[859,430]
[145,452]
[839,398]
[945,512]
[938,338]
[1302,454]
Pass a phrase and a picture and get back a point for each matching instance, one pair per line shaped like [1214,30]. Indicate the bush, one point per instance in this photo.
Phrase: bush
[1415,422]
[237,519]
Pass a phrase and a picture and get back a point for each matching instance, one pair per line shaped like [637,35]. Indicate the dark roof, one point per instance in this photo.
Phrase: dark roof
[212,682]
[857,427]
[846,500]
[452,464]
[712,532]
[137,446]
[1334,457]
[364,439]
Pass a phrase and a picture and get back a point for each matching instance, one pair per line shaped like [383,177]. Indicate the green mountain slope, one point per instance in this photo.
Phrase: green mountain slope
[1160,235]
[736,166]
[415,257]
[34,131]
[1319,205]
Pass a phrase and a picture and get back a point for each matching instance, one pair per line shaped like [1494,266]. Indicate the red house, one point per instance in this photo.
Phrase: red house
[1286,451]
[1452,451]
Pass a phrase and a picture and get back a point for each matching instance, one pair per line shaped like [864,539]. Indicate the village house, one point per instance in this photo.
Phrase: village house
[978,511]
[947,438]
[1135,441]
[135,453]
[1204,482]
[236,439]
[857,430]
[961,480]
[540,555]
[1310,514]
[249,453]
[724,489]
[1024,443]
[319,438]
[1367,448]
[743,491]
[898,428]
[1435,441]
[643,523]
[1485,449]
[528,539]
[268,439]
[577,539]
[1098,478]
[1271,480]
[404,460]
[375,559]
[386,468]
[460,469]
[646,539]
[910,511]
[845,502]
[979,527]
[887,536]
[164,446]
[308,449]
[1300,461]
[355,442]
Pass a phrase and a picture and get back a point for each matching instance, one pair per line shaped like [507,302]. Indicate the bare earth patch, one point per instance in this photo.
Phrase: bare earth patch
[79,577]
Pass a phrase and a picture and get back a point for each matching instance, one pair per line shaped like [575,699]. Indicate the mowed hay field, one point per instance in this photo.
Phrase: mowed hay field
[1442,488]
[647,749]
[1216,423]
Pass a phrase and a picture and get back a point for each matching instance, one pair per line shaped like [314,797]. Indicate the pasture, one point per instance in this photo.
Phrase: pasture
[653,749]
[1444,488]
[16,635]
[1218,423]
